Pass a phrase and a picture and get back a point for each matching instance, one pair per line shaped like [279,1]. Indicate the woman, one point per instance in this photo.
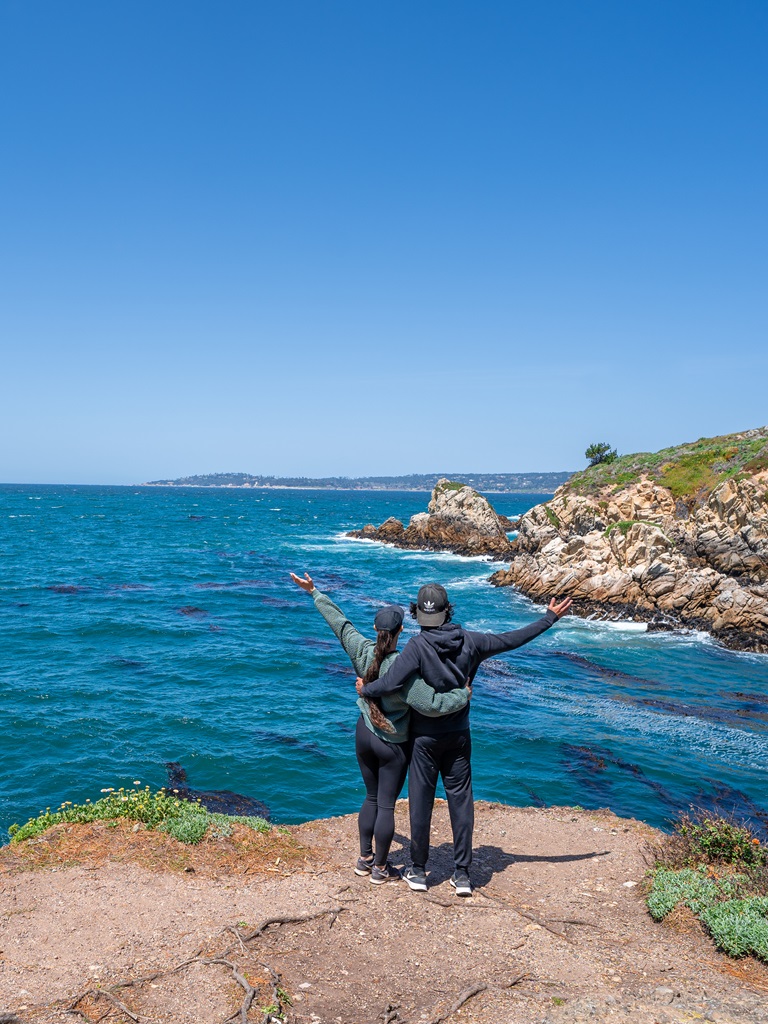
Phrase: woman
[382,729]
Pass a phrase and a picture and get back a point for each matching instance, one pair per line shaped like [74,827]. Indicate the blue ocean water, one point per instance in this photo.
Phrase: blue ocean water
[144,625]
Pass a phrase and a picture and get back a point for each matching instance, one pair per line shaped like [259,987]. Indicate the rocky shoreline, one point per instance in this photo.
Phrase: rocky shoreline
[639,552]
[677,540]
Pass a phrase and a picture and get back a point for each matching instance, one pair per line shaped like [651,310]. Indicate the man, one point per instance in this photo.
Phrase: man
[446,656]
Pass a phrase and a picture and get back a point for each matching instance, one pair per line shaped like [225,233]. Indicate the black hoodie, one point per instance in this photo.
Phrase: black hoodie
[447,657]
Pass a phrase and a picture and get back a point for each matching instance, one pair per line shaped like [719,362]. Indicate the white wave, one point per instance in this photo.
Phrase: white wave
[626,626]
[442,556]
[685,637]
[409,555]
[342,538]
[470,583]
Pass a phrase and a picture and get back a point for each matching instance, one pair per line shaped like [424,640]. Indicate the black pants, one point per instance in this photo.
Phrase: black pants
[449,757]
[383,766]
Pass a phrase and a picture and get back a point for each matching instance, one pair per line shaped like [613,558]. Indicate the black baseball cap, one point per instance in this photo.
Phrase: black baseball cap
[390,617]
[431,605]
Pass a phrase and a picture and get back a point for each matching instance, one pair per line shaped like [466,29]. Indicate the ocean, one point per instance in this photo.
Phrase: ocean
[146,625]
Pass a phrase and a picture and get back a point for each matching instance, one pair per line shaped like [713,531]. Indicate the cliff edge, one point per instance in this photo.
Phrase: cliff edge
[112,921]
[676,537]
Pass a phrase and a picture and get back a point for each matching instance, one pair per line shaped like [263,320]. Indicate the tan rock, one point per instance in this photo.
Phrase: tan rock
[640,552]
[458,519]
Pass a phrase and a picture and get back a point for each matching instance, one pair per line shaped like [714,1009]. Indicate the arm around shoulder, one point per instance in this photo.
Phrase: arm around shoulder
[427,701]
[406,663]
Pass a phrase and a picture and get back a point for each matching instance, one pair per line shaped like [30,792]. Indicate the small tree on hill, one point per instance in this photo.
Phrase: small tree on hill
[599,453]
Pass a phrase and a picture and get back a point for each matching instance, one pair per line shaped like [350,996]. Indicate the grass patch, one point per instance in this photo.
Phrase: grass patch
[691,471]
[717,868]
[623,527]
[452,485]
[186,821]
[552,517]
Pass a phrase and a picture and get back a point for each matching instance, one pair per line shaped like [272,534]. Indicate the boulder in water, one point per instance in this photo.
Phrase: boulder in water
[458,519]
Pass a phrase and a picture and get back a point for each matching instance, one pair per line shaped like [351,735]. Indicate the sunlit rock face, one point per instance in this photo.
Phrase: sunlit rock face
[457,519]
[638,550]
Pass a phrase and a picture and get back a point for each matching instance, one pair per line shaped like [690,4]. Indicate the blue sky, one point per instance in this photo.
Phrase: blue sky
[363,238]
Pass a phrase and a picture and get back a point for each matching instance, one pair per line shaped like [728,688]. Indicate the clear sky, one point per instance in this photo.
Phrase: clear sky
[366,237]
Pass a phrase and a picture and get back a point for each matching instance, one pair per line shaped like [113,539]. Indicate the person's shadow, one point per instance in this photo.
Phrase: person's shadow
[486,860]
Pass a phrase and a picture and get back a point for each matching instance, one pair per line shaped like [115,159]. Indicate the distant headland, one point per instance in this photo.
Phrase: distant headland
[512,483]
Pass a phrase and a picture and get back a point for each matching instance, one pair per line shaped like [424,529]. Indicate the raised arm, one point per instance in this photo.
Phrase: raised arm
[488,644]
[427,701]
[359,648]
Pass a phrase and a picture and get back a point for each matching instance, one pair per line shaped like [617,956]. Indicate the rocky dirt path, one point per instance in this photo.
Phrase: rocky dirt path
[556,932]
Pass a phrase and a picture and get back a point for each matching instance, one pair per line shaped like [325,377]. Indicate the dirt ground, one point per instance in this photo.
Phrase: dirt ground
[119,924]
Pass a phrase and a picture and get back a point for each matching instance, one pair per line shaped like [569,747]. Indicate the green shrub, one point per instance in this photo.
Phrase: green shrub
[695,889]
[717,868]
[691,471]
[714,840]
[623,527]
[186,821]
[600,454]
[739,926]
[552,517]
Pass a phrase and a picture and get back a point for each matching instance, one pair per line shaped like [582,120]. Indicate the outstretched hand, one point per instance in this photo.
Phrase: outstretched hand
[305,584]
[561,608]
[359,684]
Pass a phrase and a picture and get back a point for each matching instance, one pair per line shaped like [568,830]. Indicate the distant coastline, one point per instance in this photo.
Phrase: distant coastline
[500,483]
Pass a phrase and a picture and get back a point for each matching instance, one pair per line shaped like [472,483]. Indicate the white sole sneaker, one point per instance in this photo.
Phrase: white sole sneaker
[418,882]
[462,888]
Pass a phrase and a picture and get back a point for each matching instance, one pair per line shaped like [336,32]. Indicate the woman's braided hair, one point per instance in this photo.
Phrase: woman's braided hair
[384,638]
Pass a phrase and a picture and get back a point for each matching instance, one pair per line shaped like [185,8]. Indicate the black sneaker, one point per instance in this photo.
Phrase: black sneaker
[461,883]
[385,874]
[416,878]
[364,867]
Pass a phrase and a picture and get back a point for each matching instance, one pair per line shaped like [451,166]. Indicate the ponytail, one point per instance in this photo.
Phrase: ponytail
[384,638]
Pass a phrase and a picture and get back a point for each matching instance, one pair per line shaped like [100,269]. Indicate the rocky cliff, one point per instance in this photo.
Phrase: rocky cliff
[675,537]
[457,519]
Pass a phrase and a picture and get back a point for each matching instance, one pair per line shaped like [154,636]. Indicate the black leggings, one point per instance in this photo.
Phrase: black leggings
[383,766]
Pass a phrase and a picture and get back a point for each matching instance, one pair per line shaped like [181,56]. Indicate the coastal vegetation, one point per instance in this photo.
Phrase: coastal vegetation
[185,820]
[717,869]
[552,517]
[690,471]
[600,453]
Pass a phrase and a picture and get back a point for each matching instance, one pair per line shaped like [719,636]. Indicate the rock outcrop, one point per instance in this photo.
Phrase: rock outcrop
[644,549]
[217,801]
[457,519]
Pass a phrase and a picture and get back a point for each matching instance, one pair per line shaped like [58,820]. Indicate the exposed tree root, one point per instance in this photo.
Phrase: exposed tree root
[452,904]
[219,959]
[294,919]
[468,993]
[96,994]
[546,924]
